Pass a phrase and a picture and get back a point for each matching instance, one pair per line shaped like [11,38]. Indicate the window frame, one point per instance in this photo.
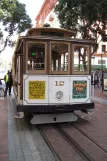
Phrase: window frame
[103,48]
[60,72]
[45,62]
[80,72]
[101,62]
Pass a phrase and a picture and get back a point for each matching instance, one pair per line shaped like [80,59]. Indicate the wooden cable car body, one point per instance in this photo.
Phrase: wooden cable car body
[52,75]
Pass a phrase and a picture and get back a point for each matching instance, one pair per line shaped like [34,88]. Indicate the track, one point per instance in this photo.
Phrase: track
[88,137]
[101,107]
[69,143]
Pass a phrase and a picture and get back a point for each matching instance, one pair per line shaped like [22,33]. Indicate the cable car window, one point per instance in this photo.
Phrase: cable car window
[36,56]
[52,34]
[59,55]
[81,54]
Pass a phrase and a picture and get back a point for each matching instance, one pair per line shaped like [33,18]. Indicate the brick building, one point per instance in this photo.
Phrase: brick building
[47,15]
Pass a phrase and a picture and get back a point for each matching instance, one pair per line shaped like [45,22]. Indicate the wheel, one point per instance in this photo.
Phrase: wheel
[28,116]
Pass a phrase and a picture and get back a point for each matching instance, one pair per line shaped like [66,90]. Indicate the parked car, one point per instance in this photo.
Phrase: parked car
[2,74]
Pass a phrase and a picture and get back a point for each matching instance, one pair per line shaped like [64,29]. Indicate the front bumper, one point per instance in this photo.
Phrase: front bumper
[55,108]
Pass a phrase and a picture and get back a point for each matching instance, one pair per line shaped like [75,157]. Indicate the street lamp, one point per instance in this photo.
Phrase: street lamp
[92,74]
[93,61]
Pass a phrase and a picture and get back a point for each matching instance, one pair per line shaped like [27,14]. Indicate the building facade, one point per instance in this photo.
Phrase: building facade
[47,15]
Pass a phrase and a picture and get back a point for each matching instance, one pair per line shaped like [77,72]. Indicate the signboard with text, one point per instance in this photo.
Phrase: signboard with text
[36,90]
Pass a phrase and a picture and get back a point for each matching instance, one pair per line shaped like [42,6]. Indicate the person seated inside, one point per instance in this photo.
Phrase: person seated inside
[39,63]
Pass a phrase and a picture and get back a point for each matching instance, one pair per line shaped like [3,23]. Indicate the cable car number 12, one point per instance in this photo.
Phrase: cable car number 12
[59,83]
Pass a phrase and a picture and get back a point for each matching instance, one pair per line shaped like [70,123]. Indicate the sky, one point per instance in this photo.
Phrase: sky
[32,8]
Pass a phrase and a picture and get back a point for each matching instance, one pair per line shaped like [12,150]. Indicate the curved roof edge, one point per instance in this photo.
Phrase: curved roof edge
[50,29]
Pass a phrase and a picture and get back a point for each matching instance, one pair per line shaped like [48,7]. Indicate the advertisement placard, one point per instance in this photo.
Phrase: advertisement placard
[79,89]
[105,81]
[105,84]
[36,89]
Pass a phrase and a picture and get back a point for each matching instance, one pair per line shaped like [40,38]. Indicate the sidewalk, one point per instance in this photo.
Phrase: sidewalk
[3,129]
[100,96]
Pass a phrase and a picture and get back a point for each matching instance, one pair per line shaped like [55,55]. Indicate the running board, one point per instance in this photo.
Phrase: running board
[53,118]
[16,114]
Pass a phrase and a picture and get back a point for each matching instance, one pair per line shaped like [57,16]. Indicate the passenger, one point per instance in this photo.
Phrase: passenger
[98,77]
[96,80]
[10,81]
[39,61]
[6,79]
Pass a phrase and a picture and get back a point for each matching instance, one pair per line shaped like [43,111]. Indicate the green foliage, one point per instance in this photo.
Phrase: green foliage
[83,16]
[14,19]
[66,14]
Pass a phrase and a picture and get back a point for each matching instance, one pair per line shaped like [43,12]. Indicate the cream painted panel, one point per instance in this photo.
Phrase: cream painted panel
[58,89]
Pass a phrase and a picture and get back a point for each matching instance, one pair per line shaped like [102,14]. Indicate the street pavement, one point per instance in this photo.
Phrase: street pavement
[5,131]
[100,96]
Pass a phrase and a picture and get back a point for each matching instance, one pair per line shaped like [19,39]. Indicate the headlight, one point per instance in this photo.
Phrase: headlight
[59,95]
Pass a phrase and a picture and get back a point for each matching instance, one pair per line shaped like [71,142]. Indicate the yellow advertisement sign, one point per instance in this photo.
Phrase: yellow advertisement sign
[36,89]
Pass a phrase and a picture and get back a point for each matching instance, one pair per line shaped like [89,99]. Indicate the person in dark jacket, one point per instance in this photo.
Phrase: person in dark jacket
[10,82]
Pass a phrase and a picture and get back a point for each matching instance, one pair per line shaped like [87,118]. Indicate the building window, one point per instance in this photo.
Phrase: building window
[101,61]
[103,48]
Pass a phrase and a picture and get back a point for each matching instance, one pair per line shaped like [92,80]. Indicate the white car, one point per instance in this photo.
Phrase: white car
[2,74]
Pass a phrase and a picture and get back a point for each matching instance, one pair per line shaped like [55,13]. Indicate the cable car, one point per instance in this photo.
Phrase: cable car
[52,75]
